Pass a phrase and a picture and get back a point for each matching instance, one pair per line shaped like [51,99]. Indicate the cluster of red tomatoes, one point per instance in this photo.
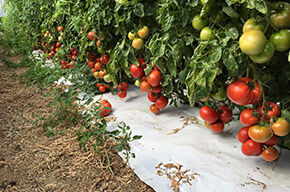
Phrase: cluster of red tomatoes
[122,88]
[262,124]
[150,84]
[216,119]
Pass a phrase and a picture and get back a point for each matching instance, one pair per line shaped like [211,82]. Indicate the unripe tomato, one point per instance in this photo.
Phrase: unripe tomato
[101,36]
[266,55]
[131,36]
[270,154]
[206,33]
[208,114]
[220,95]
[198,23]
[252,24]
[281,40]
[253,42]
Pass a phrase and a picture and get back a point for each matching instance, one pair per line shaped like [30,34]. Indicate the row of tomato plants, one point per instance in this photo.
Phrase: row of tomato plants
[166,47]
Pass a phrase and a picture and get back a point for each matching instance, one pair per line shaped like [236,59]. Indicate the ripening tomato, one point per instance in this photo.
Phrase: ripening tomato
[272,141]
[145,86]
[271,109]
[122,94]
[123,86]
[59,28]
[208,114]
[244,91]
[225,114]
[281,127]
[266,55]
[154,78]
[153,96]
[161,102]
[102,73]
[247,118]
[253,42]
[243,135]
[252,148]
[136,71]
[270,154]
[281,15]
[98,66]
[131,35]
[91,35]
[217,127]
[154,109]
[138,43]
[260,134]
[98,43]
[101,36]
[144,32]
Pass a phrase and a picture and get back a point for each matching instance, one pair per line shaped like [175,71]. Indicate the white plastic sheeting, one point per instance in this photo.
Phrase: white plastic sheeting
[216,158]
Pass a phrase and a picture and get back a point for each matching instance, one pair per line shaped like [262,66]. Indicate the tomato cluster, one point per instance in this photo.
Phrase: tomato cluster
[122,88]
[216,119]
[138,42]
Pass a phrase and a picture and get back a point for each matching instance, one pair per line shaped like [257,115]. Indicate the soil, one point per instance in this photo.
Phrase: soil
[31,161]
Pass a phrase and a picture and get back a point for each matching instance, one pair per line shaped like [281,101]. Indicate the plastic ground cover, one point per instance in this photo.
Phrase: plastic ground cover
[212,162]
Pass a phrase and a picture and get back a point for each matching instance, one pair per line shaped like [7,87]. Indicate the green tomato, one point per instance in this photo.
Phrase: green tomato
[100,50]
[281,18]
[281,40]
[220,95]
[253,42]
[108,78]
[138,83]
[206,33]
[206,98]
[131,36]
[266,55]
[252,24]
[198,23]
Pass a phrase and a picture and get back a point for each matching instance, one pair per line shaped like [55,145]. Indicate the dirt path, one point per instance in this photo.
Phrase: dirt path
[30,161]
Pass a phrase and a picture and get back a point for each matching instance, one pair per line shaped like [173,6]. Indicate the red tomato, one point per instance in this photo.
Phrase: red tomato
[273,141]
[252,148]
[71,49]
[145,86]
[272,111]
[154,109]
[123,86]
[106,59]
[91,63]
[98,85]
[136,71]
[102,88]
[74,58]
[208,114]
[153,96]
[154,78]
[122,94]
[161,102]
[141,62]
[244,91]
[225,114]
[270,154]
[247,118]
[105,108]
[157,89]
[98,66]
[91,35]
[217,127]
[243,135]
[58,45]
[91,56]
[75,53]
[59,28]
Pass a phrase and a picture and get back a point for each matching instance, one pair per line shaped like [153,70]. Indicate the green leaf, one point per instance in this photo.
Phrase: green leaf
[259,5]
[230,12]
[193,3]
[215,55]
[139,10]
[136,137]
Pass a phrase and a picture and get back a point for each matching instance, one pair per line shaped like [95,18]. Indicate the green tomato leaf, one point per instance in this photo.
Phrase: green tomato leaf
[232,33]
[259,5]
[139,10]
[231,64]
[230,12]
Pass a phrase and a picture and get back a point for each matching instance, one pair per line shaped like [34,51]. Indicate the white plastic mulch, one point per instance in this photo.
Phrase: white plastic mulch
[205,161]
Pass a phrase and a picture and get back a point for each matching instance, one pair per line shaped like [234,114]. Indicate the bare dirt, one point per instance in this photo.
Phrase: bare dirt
[31,161]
